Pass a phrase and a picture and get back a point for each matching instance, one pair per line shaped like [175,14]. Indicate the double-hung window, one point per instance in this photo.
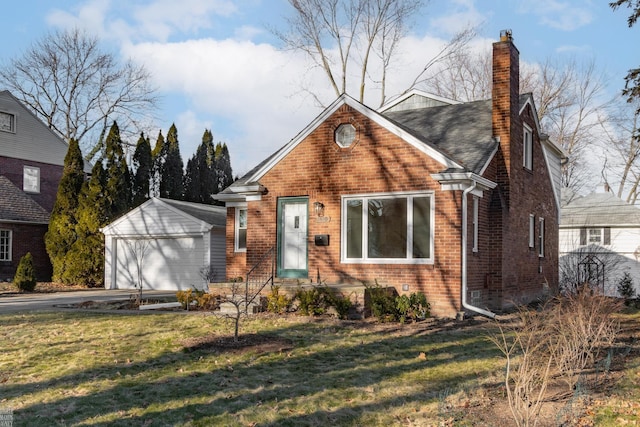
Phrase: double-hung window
[388,228]
[241,230]
[527,148]
[31,179]
[5,245]
[541,237]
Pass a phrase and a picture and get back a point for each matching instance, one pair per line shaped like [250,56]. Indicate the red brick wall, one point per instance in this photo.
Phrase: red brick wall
[377,162]
[236,261]
[27,238]
[49,178]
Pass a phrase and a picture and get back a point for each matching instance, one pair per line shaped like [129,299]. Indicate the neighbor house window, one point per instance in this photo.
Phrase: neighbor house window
[31,179]
[527,160]
[541,237]
[595,236]
[7,122]
[5,245]
[532,231]
[241,229]
[387,228]
[475,224]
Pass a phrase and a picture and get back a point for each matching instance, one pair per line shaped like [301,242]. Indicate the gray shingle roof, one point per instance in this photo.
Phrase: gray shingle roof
[17,206]
[214,215]
[462,132]
[599,209]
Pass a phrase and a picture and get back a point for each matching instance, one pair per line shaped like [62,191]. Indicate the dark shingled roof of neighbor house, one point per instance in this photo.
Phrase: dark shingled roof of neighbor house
[17,206]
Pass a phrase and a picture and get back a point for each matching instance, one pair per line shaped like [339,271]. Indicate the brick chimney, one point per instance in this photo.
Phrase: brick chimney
[505,104]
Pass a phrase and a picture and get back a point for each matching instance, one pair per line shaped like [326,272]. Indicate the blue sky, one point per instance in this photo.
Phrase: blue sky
[218,67]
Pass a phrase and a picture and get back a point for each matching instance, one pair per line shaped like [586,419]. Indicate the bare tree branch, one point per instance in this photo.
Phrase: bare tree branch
[76,88]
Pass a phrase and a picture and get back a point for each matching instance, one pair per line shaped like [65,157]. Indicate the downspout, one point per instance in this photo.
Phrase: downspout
[464,256]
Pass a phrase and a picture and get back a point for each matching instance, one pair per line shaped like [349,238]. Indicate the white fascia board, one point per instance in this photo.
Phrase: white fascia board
[463,180]
[238,204]
[368,113]
[490,158]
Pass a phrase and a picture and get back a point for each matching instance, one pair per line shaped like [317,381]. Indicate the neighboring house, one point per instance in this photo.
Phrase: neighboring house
[174,245]
[599,240]
[455,200]
[31,163]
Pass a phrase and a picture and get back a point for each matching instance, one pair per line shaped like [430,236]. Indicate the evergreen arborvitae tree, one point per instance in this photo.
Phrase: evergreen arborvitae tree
[85,260]
[61,233]
[172,168]
[157,159]
[142,171]
[25,278]
[224,174]
[117,190]
[200,172]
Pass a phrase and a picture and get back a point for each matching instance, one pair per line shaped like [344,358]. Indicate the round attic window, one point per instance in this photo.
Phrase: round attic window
[345,134]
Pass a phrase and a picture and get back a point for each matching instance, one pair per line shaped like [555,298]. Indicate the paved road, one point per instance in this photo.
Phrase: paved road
[30,302]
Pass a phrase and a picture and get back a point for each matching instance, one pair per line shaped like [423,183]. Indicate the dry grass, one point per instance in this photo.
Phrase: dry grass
[86,368]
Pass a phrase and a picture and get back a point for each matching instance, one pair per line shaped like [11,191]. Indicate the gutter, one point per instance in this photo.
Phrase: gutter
[465,304]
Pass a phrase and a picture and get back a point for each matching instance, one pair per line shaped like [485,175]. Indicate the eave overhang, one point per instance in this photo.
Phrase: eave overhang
[452,181]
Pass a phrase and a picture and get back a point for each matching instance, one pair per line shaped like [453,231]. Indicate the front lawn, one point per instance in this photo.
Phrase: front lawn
[86,368]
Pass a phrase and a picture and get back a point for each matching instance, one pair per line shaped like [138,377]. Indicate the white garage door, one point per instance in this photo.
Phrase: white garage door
[167,264]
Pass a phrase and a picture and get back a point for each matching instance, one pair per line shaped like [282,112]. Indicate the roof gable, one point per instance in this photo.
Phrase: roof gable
[32,139]
[164,217]
[15,206]
[599,209]
[402,132]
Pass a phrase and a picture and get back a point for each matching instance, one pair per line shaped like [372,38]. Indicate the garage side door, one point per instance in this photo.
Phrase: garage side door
[167,264]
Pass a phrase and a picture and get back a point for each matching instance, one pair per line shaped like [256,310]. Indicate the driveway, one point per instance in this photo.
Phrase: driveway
[48,301]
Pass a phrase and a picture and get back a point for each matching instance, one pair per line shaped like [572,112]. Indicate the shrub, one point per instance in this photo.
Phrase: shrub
[382,303]
[276,302]
[414,307]
[341,303]
[203,300]
[625,288]
[25,278]
[313,301]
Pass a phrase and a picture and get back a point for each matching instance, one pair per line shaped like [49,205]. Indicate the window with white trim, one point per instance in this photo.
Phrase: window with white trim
[241,230]
[388,228]
[541,237]
[595,236]
[527,148]
[31,179]
[5,245]
[7,122]
[532,230]
[475,224]
[345,134]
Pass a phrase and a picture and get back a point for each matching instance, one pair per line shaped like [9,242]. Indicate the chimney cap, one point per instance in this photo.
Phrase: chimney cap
[505,35]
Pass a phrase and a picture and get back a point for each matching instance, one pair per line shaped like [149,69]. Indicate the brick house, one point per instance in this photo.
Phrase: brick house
[31,163]
[456,200]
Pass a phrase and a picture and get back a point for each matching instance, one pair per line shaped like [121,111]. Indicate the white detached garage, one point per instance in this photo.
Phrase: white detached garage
[167,245]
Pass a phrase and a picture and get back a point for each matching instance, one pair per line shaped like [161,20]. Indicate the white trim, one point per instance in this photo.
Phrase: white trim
[476,225]
[541,237]
[390,195]
[10,245]
[532,231]
[236,229]
[527,153]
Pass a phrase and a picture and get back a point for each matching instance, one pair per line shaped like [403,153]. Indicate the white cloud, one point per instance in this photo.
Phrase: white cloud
[458,15]
[558,14]
[573,48]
